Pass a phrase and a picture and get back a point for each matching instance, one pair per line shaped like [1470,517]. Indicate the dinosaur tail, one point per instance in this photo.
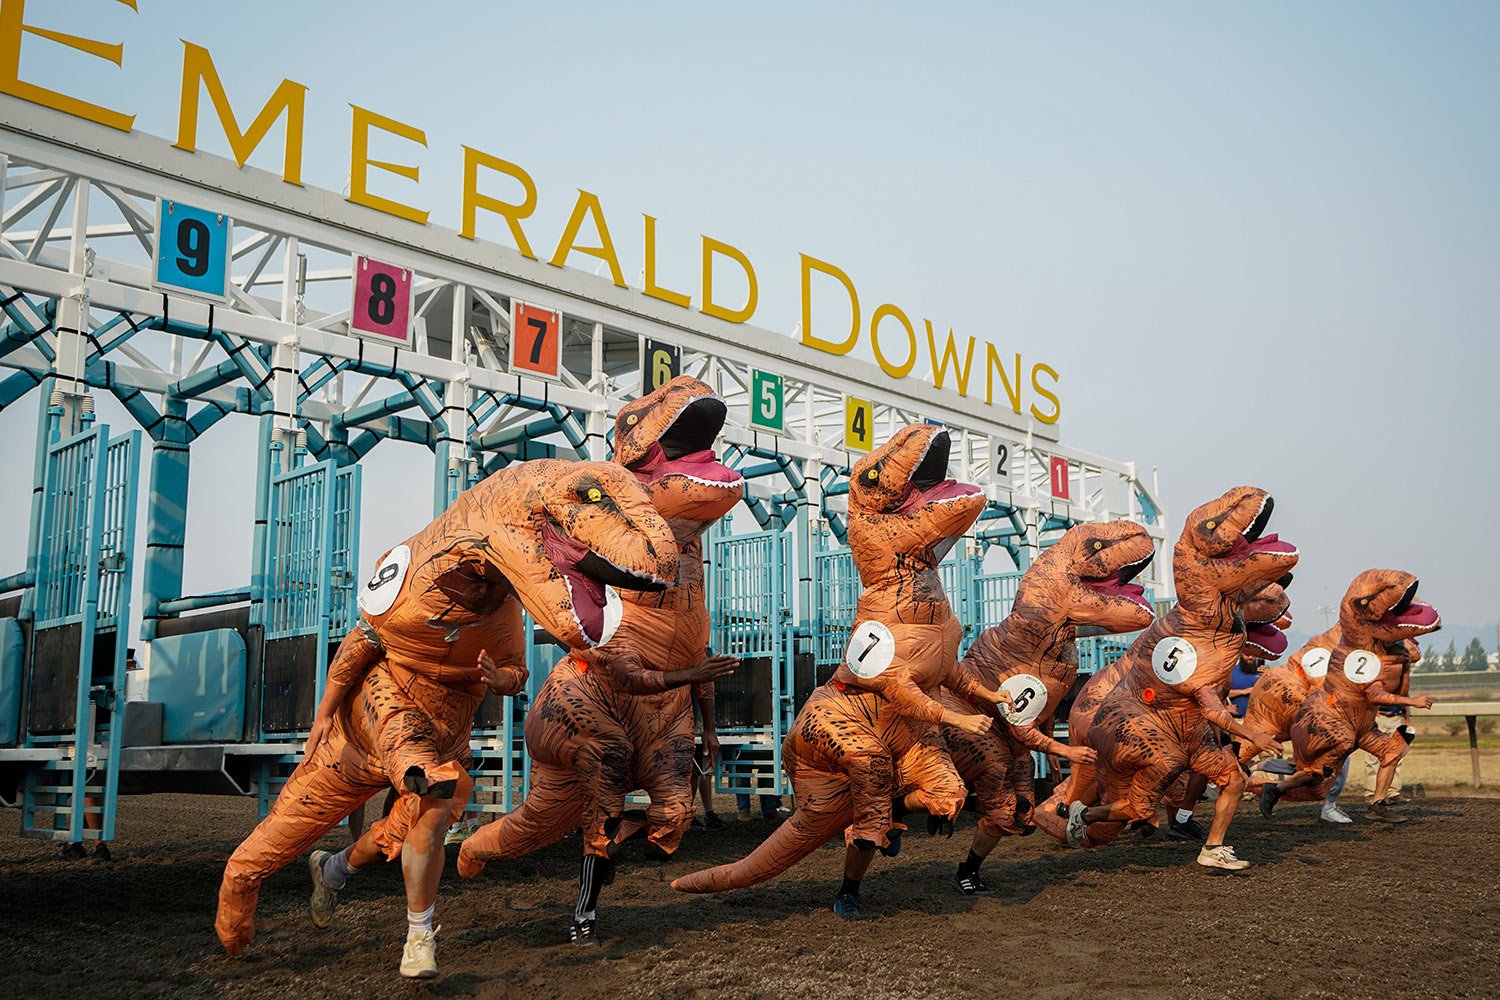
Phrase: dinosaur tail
[792,841]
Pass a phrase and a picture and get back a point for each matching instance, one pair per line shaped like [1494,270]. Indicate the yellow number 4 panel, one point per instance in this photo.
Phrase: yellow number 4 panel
[859,424]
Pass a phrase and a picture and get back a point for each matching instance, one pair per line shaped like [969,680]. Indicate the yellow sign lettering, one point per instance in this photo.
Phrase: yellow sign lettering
[949,356]
[711,247]
[588,204]
[13,28]
[809,265]
[290,99]
[903,369]
[474,201]
[651,287]
[360,164]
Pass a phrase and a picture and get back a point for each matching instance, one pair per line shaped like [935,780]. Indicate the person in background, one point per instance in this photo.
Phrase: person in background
[1387,721]
[770,807]
[93,818]
[1241,680]
[704,759]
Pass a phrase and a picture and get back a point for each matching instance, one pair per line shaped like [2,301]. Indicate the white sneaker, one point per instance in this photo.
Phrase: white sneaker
[1333,814]
[1077,825]
[419,958]
[1221,857]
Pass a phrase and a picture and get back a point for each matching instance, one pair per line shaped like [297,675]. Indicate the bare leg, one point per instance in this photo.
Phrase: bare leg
[1224,809]
[1383,779]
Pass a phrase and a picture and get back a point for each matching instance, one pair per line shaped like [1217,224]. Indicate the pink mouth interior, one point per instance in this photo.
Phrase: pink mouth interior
[587,593]
[1419,615]
[1111,587]
[945,490]
[1268,638]
[703,465]
[1267,543]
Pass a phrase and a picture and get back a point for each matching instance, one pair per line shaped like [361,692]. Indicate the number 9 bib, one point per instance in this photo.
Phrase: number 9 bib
[377,596]
[870,651]
[1174,659]
[1315,662]
[1361,666]
[1029,696]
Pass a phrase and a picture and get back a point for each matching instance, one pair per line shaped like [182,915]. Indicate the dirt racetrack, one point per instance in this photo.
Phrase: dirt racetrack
[1362,911]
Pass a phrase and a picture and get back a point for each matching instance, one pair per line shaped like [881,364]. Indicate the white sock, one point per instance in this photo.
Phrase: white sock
[1183,815]
[420,921]
[336,870]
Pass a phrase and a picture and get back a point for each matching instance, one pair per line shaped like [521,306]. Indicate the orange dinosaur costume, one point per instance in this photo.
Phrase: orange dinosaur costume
[871,733]
[1159,720]
[1367,669]
[551,536]
[619,717]
[1084,579]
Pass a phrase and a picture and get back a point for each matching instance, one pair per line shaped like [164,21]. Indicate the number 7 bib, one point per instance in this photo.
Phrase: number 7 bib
[871,650]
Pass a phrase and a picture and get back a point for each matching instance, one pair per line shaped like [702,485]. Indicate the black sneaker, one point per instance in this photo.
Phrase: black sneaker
[939,826]
[711,821]
[893,845]
[970,884]
[71,852]
[1186,831]
[101,852]
[1269,796]
[846,905]
[583,933]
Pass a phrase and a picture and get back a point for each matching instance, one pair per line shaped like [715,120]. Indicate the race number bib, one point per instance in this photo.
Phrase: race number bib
[1029,697]
[1361,666]
[1174,659]
[870,651]
[1315,662]
[377,596]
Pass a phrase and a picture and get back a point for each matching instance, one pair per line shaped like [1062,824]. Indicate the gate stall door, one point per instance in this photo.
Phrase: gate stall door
[300,589]
[77,665]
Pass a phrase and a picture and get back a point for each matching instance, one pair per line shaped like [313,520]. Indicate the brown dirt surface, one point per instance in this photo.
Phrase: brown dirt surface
[1361,911]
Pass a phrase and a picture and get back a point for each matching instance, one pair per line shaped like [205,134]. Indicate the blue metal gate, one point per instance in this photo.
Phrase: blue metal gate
[749,601]
[77,682]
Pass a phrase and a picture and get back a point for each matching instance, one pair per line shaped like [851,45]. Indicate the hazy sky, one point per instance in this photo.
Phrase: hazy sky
[1259,243]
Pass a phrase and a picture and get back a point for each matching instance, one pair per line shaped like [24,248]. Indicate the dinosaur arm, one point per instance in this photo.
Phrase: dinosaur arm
[897,687]
[631,675]
[1032,738]
[356,656]
[1376,694]
[1215,711]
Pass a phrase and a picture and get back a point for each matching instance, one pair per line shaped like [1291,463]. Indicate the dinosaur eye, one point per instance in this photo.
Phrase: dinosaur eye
[1364,601]
[1098,546]
[872,475]
[593,494]
[1212,525]
[632,420]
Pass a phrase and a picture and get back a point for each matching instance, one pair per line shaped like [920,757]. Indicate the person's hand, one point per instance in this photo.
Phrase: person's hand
[711,669]
[1264,742]
[1425,701]
[501,680]
[710,748]
[1054,763]
[1081,754]
[322,727]
[974,725]
[1002,697]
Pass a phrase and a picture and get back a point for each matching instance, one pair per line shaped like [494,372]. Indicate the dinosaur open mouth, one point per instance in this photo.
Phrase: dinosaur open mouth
[589,577]
[1253,541]
[929,481]
[1118,584]
[1265,639]
[685,448]
[1410,612]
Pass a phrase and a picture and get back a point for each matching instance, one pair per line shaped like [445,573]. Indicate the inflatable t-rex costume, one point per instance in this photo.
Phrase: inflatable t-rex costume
[1378,616]
[871,733]
[1160,718]
[619,717]
[1280,692]
[403,688]
[1082,580]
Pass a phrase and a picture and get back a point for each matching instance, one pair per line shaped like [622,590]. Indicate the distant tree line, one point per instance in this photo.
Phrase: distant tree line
[1451,660]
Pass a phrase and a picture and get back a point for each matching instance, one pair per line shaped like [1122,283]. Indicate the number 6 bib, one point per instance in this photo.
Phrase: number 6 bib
[871,650]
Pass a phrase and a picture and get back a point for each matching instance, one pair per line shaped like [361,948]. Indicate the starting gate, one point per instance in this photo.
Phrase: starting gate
[76,687]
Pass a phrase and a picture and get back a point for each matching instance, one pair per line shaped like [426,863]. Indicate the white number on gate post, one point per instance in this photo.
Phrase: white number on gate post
[1028,696]
[1174,659]
[1315,661]
[379,594]
[1361,666]
[870,651]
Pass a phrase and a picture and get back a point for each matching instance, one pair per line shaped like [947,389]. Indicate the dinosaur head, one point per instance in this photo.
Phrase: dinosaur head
[906,474]
[1225,551]
[666,439]
[1267,612]
[1086,577]
[1382,604]
[599,530]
